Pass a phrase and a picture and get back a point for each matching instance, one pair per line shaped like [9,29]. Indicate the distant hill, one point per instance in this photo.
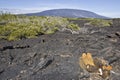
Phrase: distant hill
[71,13]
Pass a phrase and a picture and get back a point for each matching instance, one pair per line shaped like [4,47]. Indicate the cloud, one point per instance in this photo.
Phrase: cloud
[110,14]
[47,6]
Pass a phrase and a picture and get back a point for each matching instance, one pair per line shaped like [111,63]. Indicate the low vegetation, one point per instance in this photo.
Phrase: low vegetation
[100,22]
[16,27]
[94,21]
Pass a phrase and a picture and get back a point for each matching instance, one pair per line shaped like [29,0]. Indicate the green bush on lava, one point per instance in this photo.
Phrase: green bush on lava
[100,22]
[73,26]
[17,27]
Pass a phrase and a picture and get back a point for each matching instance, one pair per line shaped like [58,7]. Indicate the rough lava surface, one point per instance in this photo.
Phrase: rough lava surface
[56,56]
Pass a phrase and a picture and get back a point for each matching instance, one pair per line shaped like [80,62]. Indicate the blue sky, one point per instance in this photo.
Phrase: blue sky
[108,8]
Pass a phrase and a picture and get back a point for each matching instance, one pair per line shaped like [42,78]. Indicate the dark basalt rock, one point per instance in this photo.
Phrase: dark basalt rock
[56,56]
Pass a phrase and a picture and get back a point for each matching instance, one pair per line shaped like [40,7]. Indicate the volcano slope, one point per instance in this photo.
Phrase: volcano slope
[56,56]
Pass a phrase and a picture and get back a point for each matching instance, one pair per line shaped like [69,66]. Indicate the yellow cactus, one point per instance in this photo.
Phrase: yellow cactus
[107,67]
[95,65]
[87,59]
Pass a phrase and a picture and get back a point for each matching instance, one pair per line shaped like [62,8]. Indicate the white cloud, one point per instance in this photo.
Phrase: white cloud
[110,14]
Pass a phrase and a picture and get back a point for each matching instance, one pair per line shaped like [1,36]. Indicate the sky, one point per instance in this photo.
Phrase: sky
[109,8]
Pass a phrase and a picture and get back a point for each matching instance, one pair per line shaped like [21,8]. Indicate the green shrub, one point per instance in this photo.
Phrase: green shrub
[21,26]
[73,27]
[100,22]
